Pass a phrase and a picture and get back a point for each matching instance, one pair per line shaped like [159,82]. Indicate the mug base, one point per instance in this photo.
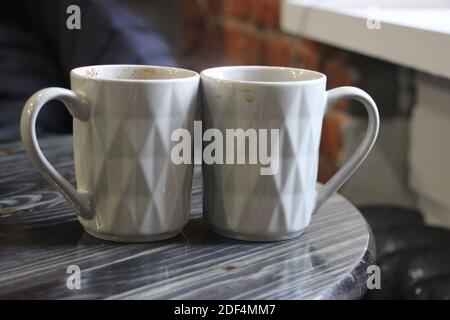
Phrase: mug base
[256,237]
[138,238]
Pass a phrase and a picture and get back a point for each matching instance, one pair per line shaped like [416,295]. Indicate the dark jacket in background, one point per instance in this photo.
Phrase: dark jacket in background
[37,50]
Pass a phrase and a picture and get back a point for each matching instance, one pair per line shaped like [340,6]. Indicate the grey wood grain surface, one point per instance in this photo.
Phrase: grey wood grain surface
[40,237]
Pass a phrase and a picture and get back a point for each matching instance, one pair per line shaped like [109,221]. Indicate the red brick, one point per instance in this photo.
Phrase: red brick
[265,12]
[216,6]
[336,68]
[327,169]
[241,47]
[308,55]
[331,142]
[238,8]
[278,51]
[213,47]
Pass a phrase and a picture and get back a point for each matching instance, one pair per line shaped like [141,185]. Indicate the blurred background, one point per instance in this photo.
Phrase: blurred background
[403,189]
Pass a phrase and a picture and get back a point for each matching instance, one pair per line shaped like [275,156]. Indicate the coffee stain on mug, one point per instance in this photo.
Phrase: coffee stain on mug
[91,73]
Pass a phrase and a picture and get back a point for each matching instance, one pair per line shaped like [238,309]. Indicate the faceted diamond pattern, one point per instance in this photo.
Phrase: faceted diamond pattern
[123,157]
[237,197]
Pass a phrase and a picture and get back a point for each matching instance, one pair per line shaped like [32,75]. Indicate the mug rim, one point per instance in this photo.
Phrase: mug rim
[319,77]
[81,73]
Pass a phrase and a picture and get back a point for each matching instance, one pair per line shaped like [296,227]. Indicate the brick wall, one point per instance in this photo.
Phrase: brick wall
[246,32]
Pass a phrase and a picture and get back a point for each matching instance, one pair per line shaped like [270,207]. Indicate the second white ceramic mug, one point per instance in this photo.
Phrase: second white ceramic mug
[128,189]
[239,201]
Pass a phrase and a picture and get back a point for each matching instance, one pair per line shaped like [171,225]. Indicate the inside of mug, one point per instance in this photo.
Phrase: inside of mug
[261,74]
[132,72]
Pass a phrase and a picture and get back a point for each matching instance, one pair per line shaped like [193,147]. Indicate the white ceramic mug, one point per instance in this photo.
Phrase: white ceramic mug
[241,202]
[128,189]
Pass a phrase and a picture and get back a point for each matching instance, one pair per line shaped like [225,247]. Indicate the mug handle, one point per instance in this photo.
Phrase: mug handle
[333,96]
[79,109]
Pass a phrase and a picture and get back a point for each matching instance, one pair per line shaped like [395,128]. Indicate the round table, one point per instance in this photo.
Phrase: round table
[42,241]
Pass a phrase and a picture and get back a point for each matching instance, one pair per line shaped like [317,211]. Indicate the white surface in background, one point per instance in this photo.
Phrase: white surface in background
[388,159]
[412,33]
[430,15]
[429,157]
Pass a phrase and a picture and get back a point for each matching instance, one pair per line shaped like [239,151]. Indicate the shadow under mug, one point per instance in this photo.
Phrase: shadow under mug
[128,190]
[240,202]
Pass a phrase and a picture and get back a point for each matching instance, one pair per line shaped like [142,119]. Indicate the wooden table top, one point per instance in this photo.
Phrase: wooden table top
[40,238]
